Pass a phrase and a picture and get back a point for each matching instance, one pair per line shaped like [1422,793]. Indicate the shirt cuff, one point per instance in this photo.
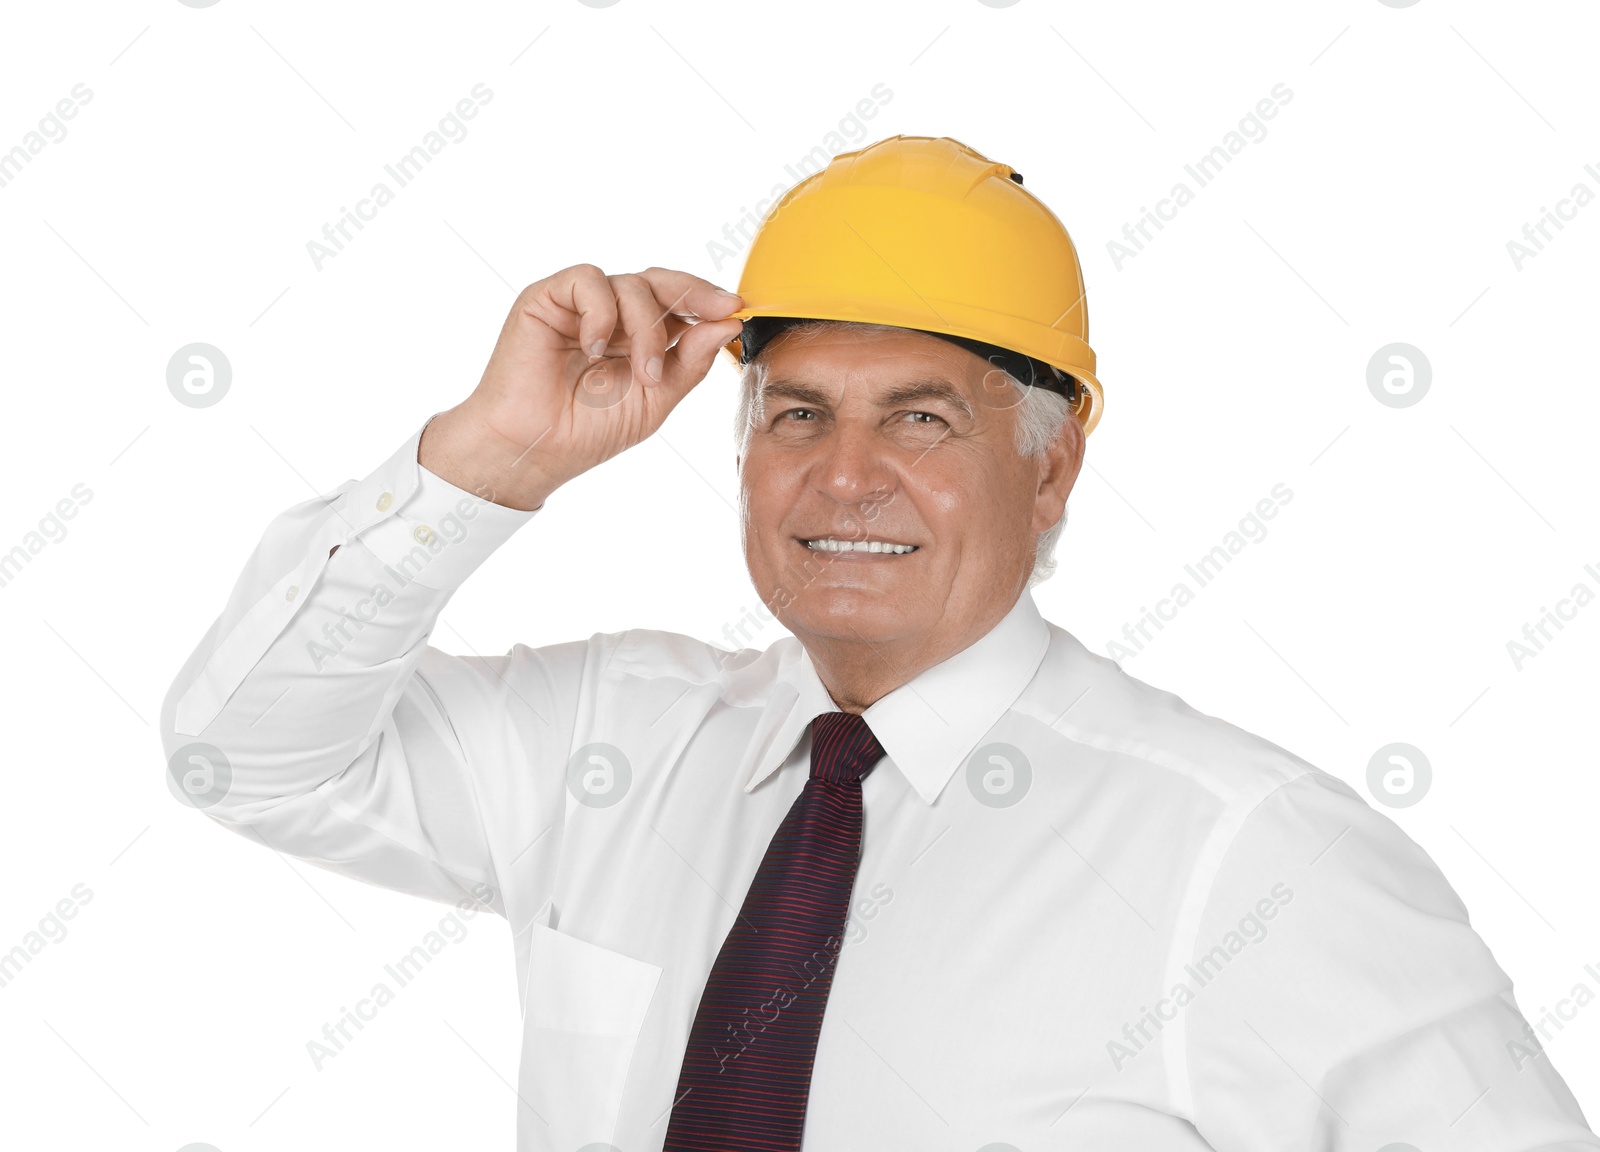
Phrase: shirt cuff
[428,530]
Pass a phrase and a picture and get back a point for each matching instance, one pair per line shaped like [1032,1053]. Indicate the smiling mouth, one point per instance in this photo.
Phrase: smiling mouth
[834,544]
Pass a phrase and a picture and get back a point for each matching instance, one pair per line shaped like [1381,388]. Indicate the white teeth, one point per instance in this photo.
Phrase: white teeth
[830,544]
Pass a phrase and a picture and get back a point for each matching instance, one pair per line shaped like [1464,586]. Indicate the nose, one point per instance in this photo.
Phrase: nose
[854,467]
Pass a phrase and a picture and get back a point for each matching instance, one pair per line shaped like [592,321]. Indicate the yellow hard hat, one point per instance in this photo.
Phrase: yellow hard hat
[924,233]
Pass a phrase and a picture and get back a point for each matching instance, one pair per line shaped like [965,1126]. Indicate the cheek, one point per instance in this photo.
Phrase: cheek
[987,511]
[967,498]
[767,496]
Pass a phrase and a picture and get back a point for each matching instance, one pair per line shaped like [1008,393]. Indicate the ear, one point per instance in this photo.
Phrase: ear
[1058,472]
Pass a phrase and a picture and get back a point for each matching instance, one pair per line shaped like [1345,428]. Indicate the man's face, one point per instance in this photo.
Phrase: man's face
[895,438]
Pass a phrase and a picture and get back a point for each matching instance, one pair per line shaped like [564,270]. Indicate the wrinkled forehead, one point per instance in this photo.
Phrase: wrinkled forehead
[868,364]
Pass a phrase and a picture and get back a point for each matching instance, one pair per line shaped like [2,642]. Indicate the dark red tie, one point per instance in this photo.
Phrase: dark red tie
[747,1069]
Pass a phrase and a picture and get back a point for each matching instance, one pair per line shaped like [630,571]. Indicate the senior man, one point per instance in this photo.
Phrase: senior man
[927,875]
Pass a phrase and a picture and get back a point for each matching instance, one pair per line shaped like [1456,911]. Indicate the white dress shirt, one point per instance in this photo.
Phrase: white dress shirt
[1087,916]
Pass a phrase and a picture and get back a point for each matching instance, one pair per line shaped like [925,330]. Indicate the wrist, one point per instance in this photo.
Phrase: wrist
[461,449]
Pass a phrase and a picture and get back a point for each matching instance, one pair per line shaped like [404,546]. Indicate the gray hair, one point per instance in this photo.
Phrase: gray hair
[1041,415]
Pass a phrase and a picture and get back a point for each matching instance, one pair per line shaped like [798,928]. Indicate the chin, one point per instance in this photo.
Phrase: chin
[852,613]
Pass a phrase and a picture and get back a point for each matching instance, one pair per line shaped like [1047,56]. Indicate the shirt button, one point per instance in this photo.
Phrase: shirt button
[384,501]
[292,592]
[423,534]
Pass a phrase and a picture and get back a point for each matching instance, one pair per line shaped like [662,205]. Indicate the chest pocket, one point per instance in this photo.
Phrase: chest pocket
[586,1006]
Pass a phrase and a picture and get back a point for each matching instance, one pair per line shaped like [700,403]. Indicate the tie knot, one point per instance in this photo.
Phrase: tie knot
[843,748]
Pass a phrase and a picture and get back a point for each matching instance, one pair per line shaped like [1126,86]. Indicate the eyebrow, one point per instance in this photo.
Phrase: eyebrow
[909,392]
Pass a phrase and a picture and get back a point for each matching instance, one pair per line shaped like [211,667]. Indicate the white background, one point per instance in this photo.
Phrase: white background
[1233,349]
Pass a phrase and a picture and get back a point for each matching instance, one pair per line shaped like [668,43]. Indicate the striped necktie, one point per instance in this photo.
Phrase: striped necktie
[747,1068]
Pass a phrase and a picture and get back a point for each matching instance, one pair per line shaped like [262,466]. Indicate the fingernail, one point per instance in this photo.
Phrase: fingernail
[652,368]
[597,348]
[729,295]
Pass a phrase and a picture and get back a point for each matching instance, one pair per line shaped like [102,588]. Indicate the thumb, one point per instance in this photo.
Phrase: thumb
[688,361]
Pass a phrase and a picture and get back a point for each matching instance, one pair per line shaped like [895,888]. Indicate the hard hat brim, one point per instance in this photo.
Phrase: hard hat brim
[1061,349]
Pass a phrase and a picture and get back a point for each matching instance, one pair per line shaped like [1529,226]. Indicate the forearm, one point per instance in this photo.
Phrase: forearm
[311,654]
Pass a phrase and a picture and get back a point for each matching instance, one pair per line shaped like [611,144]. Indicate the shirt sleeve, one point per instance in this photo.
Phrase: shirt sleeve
[1338,999]
[315,718]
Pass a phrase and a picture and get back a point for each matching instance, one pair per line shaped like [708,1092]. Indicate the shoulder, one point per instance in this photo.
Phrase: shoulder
[1265,811]
[1088,700]
[647,654]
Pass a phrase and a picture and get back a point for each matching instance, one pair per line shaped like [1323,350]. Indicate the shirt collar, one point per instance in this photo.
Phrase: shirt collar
[929,725]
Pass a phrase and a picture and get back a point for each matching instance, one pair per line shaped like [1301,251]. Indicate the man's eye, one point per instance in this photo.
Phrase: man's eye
[923,418]
[798,414]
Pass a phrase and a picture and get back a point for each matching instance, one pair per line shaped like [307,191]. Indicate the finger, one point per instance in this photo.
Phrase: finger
[585,291]
[676,327]
[683,294]
[643,324]
[691,357]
